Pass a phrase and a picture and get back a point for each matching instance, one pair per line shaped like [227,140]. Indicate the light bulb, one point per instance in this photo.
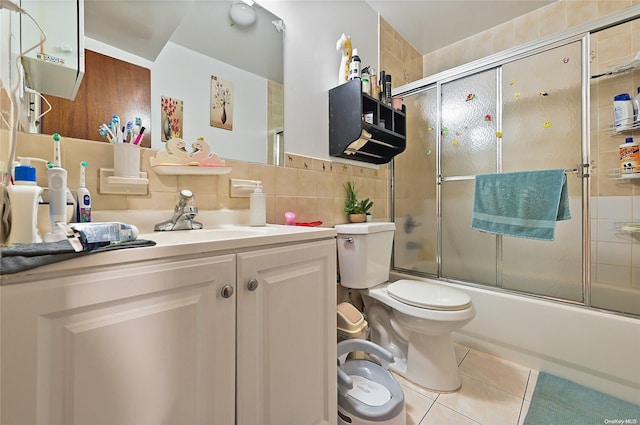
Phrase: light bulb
[242,14]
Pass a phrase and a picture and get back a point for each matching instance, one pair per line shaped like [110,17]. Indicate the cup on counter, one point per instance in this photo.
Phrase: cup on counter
[126,160]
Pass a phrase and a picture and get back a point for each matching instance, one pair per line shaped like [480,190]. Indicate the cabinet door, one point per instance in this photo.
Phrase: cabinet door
[152,344]
[286,349]
[57,66]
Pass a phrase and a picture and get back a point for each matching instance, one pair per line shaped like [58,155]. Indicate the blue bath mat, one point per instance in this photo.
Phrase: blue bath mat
[557,401]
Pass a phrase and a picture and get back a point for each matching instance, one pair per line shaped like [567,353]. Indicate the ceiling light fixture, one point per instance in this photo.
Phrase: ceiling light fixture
[242,13]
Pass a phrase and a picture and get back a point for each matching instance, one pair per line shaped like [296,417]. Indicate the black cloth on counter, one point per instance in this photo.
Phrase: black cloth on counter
[26,256]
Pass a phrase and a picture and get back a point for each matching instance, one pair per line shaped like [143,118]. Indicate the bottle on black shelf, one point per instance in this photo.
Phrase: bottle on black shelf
[354,65]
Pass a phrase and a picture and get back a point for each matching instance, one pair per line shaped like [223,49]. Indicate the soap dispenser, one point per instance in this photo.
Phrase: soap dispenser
[257,206]
[23,198]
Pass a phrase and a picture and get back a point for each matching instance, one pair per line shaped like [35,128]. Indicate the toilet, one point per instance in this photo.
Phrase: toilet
[411,319]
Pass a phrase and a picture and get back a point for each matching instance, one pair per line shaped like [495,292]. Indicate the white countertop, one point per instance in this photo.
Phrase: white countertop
[211,240]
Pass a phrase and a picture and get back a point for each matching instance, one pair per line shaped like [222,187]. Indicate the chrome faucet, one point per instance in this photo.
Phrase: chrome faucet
[183,215]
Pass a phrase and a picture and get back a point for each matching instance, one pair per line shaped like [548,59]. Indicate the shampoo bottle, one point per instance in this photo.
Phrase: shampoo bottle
[23,198]
[57,194]
[258,207]
[622,112]
[354,65]
[83,201]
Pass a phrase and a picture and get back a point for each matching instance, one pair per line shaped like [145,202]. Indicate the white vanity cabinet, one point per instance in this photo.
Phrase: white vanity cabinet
[242,336]
[286,338]
[132,345]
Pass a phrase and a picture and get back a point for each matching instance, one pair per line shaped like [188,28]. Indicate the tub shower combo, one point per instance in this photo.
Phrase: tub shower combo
[530,108]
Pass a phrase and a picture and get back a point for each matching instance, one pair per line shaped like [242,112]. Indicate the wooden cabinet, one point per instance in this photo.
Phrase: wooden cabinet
[245,337]
[352,137]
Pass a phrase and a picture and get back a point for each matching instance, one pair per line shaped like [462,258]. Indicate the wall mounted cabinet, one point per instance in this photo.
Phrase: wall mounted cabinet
[57,66]
[350,136]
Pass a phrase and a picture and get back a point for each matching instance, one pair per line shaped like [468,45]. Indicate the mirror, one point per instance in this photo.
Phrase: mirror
[190,41]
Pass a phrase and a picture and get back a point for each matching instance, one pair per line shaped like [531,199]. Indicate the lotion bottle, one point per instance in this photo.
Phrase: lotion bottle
[258,206]
[23,197]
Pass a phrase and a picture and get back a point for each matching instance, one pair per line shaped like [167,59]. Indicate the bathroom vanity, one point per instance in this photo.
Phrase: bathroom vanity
[214,326]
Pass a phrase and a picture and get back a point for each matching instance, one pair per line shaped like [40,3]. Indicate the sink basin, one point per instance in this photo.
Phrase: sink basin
[206,235]
[145,220]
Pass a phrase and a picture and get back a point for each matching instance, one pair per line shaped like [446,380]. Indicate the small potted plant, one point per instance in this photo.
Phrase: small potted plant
[357,210]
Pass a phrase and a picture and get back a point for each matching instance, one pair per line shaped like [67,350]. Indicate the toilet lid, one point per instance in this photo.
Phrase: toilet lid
[428,295]
[369,392]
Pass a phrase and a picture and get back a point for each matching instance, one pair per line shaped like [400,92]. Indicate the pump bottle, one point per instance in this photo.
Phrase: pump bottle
[258,206]
[23,198]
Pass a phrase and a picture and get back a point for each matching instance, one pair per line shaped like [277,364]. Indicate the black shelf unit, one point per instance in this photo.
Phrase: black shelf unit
[347,105]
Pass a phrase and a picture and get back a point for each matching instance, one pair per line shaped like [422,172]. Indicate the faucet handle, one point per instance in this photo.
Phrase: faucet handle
[186,197]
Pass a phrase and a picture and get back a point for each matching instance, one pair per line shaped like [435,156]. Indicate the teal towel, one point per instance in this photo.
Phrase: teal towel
[524,204]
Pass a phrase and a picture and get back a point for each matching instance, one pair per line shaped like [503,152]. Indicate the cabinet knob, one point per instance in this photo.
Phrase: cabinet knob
[227,291]
[252,285]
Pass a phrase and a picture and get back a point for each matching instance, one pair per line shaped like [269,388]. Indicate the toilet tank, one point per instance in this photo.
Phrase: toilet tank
[364,253]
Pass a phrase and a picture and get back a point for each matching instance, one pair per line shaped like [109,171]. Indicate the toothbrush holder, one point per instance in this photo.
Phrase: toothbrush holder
[126,160]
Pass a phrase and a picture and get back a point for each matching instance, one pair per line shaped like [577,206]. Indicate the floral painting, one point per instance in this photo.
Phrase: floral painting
[221,103]
[171,118]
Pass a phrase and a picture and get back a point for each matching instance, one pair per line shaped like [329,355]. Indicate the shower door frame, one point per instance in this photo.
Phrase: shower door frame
[582,170]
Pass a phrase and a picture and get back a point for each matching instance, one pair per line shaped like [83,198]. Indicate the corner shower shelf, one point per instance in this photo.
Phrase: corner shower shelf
[634,127]
[615,174]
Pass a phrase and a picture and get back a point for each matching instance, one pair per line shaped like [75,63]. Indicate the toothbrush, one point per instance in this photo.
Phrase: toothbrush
[139,137]
[57,193]
[138,124]
[106,133]
[115,122]
[129,133]
[83,211]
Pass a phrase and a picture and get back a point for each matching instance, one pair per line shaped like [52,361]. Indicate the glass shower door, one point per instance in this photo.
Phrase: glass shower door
[522,115]
[541,111]
[469,147]
[415,245]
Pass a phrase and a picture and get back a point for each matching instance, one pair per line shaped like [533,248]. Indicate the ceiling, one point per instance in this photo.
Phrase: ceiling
[432,24]
[204,26]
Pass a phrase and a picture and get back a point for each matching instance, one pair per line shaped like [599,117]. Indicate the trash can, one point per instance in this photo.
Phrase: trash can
[351,324]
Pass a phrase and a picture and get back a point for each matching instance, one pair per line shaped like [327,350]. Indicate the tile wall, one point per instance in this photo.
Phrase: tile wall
[312,188]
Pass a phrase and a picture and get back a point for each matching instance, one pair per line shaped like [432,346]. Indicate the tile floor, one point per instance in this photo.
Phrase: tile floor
[494,392]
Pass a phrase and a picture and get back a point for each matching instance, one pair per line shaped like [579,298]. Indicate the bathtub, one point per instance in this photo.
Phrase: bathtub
[597,349]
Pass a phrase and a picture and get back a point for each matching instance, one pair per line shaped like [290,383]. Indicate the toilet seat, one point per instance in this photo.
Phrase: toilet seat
[428,295]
